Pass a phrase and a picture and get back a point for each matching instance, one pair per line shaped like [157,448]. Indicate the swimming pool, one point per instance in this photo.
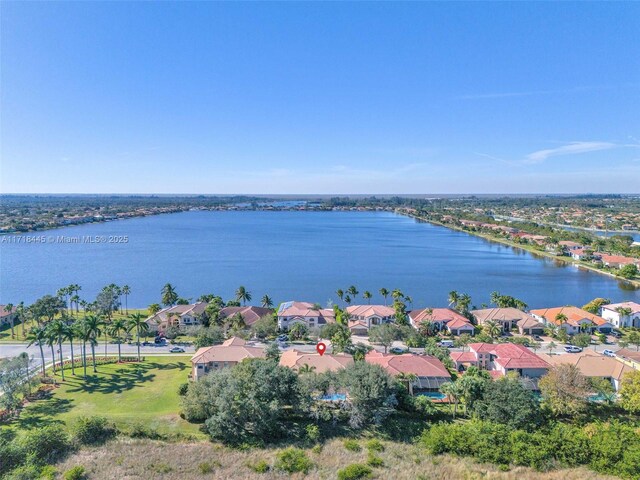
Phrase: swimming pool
[433,395]
[334,397]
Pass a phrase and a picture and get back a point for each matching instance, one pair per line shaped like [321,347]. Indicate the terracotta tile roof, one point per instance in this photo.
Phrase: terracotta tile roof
[591,364]
[304,309]
[511,314]
[370,310]
[626,353]
[4,312]
[234,349]
[250,314]
[510,355]
[462,357]
[420,365]
[633,306]
[322,363]
[573,314]
[435,315]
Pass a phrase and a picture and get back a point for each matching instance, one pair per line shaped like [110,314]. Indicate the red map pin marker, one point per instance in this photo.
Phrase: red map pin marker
[320,348]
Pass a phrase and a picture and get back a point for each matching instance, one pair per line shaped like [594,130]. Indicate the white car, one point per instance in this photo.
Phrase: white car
[572,349]
[177,350]
[608,353]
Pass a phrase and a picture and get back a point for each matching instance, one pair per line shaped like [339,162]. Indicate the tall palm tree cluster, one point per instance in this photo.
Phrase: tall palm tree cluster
[54,323]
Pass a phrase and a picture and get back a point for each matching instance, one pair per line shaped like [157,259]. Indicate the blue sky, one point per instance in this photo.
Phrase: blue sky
[320,98]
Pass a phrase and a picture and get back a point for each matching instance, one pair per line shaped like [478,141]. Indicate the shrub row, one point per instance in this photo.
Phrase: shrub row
[610,448]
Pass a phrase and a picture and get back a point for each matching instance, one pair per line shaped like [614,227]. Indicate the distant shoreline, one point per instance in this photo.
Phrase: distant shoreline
[567,260]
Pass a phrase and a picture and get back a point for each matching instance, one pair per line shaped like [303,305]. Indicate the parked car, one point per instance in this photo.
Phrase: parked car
[572,349]
[446,343]
[616,334]
[397,350]
[177,350]
[283,338]
[608,353]
[537,338]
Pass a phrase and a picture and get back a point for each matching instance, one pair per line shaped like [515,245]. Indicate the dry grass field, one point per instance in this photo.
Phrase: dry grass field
[127,459]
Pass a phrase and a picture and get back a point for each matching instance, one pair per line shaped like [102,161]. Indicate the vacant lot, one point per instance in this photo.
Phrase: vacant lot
[146,459]
[127,394]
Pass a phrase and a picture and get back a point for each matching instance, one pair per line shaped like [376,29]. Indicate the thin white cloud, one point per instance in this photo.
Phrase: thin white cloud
[586,88]
[570,149]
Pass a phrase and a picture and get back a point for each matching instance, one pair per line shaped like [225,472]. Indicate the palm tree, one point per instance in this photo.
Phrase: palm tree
[367,296]
[126,291]
[169,295]
[84,333]
[385,293]
[266,301]
[551,346]
[242,295]
[306,368]
[116,328]
[8,308]
[347,299]
[453,390]
[453,298]
[352,291]
[70,334]
[51,341]
[495,297]
[397,294]
[75,299]
[409,300]
[340,294]
[561,318]
[463,302]
[409,379]
[492,328]
[38,335]
[22,315]
[136,321]
[94,326]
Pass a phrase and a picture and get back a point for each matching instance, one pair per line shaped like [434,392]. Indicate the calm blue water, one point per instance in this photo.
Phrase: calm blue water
[292,255]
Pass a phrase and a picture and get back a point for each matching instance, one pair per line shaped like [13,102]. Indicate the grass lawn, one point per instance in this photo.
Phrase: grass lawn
[126,394]
[5,331]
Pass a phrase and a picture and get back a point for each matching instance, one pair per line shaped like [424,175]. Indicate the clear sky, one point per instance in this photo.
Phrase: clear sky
[197,97]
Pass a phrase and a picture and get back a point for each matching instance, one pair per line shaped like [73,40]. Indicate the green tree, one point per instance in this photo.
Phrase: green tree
[384,335]
[367,296]
[136,321]
[371,393]
[38,336]
[493,328]
[508,402]
[272,352]
[582,340]
[630,391]
[242,295]
[352,291]
[126,291]
[169,295]
[629,271]
[564,390]
[117,329]
[341,339]
[264,327]
[298,331]
[266,301]
[208,336]
[454,392]
[93,326]
[154,308]
[385,293]
[14,382]
[594,305]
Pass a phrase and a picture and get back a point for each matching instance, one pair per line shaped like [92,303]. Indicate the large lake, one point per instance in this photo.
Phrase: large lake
[292,255]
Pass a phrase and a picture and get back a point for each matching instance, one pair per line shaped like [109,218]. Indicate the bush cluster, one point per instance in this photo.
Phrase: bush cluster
[609,448]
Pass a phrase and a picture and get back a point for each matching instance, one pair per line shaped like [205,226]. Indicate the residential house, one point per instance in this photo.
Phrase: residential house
[500,359]
[231,352]
[303,312]
[295,359]
[363,317]
[583,254]
[250,314]
[592,365]
[7,315]
[442,319]
[568,245]
[613,314]
[577,320]
[629,357]
[618,261]
[510,318]
[178,316]
[430,372]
